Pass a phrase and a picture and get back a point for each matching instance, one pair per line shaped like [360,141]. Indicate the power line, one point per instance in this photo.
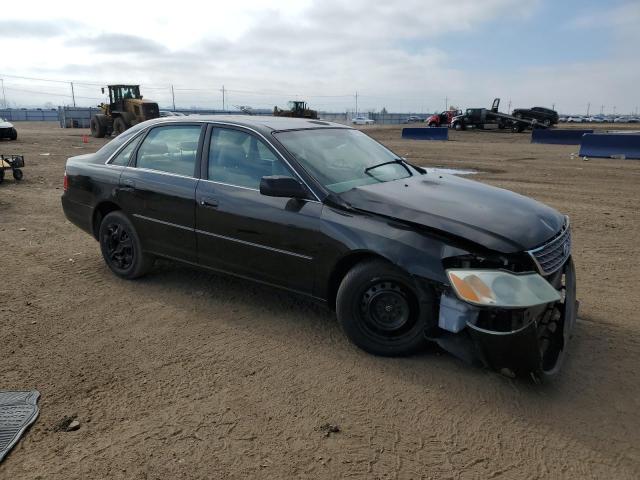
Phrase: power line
[51,94]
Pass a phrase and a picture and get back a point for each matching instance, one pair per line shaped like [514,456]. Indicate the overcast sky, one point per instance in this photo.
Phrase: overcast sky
[406,56]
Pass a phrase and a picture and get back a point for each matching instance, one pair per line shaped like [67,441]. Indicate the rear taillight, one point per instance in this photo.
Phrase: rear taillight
[65,183]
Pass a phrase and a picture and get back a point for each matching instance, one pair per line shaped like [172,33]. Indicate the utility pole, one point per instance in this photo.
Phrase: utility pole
[73,95]
[588,108]
[356,104]
[553,106]
[223,99]
[173,97]
[614,109]
[4,97]
[446,103]
[509,107]
[601,109]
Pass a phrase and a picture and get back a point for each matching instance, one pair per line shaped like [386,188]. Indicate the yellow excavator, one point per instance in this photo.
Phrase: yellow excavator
[297,109]
[126,108]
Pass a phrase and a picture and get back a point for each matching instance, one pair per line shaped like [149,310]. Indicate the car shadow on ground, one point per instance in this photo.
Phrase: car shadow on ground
[314,328]
[591,336]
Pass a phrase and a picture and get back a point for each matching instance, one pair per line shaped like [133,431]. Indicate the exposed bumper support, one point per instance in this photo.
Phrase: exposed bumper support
[537,347]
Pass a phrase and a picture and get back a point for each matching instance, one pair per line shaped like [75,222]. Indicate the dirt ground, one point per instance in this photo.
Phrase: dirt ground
[188,374]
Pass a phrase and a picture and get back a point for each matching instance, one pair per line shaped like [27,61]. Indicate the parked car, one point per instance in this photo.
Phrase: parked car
[168,113]
[7,130]
[362,121]
[401,254]
[621,120]
[596,119]
[545,116]
[442,119]
[575,119]
[413,119]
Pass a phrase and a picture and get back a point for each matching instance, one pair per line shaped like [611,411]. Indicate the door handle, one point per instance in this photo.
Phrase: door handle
[129,183]
[208,202]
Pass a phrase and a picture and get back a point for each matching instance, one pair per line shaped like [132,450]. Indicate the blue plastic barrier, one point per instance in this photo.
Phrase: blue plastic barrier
[558,136]
[426,133]
[608,144]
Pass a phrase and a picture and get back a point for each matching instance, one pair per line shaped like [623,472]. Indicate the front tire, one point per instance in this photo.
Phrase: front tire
[121,247]
[17,174]
[13,135]
[379,311]
[119,126]
[97,127]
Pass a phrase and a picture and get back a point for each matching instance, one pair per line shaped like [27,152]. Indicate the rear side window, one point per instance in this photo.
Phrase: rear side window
[124,156]
[171,149]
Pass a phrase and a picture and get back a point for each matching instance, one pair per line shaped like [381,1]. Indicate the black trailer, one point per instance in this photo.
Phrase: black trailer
[482,117]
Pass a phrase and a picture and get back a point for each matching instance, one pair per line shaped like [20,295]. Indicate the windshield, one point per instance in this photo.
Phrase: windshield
[342,159]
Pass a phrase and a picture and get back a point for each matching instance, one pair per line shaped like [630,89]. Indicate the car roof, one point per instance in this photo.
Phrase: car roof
[263,123]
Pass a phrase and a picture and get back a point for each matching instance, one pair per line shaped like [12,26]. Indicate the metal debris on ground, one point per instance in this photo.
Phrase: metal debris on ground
[328,429]
[68,423]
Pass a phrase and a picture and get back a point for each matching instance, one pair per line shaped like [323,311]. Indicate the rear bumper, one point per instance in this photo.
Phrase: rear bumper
[79,214]
[6,132]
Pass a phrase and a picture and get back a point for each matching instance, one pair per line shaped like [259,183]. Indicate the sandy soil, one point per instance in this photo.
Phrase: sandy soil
[187,374]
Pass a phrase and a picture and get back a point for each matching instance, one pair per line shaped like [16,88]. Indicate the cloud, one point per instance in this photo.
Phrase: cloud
[35,28]
[117,44]
[396,55]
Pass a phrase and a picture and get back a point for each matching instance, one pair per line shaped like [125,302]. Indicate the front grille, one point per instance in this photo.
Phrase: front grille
[552,255]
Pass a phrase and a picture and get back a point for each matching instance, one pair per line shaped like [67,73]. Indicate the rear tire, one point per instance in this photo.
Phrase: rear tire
[98,129]
[1,174]
[458,126]
[17,174]
[121,247]
[119,126]
[379,311]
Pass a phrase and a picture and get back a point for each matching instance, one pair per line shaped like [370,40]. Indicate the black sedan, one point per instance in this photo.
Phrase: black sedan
[403,255]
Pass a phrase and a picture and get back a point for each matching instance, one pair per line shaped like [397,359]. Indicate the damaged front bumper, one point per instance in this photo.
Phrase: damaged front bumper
[527,341]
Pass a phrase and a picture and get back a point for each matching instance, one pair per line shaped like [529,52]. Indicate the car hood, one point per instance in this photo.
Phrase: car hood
[494,218]
[5,124]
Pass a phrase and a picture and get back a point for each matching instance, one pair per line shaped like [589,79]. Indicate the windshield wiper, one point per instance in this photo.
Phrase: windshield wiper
[397,160]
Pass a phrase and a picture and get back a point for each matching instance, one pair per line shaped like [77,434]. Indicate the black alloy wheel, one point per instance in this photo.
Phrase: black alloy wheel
[121,247]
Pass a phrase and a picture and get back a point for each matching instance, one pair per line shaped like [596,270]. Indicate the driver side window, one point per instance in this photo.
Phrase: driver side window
[240,159]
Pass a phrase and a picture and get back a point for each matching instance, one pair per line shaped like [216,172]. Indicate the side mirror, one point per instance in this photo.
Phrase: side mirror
[281,186]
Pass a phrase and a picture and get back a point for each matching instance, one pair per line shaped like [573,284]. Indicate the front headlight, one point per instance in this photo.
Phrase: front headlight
[495,288]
